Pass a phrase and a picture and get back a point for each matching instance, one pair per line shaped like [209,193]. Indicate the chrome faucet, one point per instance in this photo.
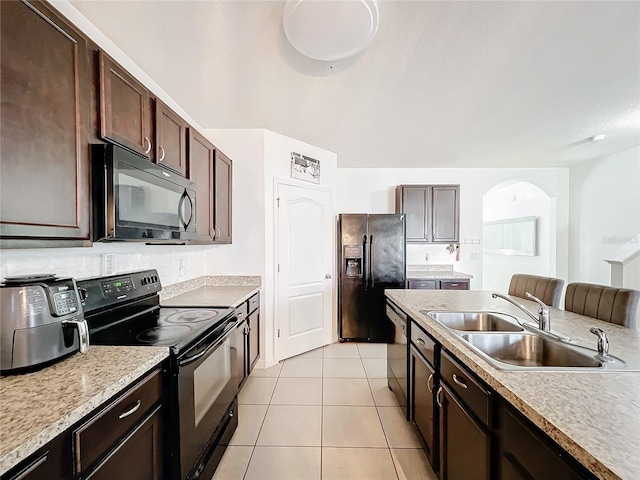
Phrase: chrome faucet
[543,319]
[603,340]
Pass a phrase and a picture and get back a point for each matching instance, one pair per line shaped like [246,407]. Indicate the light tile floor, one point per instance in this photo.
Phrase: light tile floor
[326,414]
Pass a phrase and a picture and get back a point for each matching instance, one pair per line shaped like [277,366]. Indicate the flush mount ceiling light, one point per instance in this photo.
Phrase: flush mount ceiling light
[330,30]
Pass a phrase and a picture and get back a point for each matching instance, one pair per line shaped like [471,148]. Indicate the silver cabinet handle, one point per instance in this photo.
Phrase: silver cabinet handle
[219,234]
[459,381]
[454,284]
[403,327]
[131,410]
[421,342]
[148,143]
[214,234]
[438,401]
[430,383]
[327,276]
[25,473]
[163,154]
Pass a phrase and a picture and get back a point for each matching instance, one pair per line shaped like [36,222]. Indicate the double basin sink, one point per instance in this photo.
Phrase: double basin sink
[503,342]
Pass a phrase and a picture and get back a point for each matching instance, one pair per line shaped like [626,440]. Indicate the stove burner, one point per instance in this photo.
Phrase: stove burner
[167,335]
[191,316]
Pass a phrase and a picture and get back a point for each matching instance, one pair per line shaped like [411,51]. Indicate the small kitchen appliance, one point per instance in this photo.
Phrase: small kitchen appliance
[125,309]
[41,322]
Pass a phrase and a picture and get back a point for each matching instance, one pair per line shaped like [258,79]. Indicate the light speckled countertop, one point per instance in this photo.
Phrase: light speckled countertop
[213,296]
[437,275]
[36,407]
[595,416]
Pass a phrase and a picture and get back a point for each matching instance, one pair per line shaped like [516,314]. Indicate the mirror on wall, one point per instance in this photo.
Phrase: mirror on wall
[510,236]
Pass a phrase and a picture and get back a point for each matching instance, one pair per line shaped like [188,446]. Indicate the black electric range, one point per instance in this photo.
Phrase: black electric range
[125,309]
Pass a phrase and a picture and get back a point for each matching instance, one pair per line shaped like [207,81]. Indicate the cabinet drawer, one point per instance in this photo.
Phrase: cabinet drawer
[423,284]
[423,343]
[475,395]
[100,433]
[254,302]
[242,311]
[454,285]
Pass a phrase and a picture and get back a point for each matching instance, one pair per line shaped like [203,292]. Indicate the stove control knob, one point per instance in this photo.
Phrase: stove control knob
[143,281]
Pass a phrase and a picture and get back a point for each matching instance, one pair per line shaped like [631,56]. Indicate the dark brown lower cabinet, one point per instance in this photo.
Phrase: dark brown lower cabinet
[528,454]
[241,345]
[50,462]
[254,338]
[423,412]
[465,445]
[138,456]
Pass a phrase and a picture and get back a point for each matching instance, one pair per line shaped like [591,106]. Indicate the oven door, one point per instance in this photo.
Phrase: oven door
[207,386]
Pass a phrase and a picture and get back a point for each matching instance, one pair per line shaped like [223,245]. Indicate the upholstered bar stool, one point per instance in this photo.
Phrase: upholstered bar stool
[610,304]
[547,289]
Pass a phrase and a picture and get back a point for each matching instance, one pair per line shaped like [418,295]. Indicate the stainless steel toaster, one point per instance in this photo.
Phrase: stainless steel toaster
[41,321]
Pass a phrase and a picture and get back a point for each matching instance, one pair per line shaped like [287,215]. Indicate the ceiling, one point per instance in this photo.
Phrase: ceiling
[442,84]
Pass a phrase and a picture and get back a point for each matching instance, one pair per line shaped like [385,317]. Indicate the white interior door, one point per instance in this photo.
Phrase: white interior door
[304,269]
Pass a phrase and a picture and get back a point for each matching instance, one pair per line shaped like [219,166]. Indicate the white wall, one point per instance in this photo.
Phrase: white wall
[605,213]
[520,199]
[246,254]
[372,190]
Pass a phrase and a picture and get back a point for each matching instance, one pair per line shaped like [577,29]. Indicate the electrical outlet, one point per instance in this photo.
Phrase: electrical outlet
[181,268]
[108,263]
[473,256]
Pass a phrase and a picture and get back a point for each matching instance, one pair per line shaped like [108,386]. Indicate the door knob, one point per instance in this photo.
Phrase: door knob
[327,276]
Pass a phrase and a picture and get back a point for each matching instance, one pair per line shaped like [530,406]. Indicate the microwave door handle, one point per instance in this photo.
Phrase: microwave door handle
[190,210]
[180,206]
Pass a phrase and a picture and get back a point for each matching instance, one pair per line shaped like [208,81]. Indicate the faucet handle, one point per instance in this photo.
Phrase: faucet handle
[603,340]
[537,300]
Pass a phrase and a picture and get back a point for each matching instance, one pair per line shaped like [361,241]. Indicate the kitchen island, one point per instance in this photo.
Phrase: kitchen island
[594,416]
[36,407]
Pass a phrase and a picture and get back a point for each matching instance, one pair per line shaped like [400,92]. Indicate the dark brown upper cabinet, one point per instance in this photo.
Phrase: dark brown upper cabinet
[44,140]
[125,108]
[201,171]
[432,212]
[171,139]
[223,198]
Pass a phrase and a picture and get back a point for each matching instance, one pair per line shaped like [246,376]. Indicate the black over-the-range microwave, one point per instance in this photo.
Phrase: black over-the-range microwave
[137,200]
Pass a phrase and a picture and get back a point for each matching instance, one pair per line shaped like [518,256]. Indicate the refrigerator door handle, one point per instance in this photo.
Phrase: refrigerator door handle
[371,259]
[365,270]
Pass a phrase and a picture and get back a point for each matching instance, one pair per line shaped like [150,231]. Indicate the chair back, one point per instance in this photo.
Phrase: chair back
[610,304]
[547,289]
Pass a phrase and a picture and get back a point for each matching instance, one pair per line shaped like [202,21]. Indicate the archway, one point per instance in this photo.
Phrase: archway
[519,233]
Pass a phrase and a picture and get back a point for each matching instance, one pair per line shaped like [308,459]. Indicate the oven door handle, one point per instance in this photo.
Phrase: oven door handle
[190,359]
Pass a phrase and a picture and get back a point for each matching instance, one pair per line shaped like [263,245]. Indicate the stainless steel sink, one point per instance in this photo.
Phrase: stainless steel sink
[477,321]
[528,350]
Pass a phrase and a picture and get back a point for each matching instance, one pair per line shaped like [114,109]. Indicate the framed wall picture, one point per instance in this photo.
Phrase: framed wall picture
[305,168]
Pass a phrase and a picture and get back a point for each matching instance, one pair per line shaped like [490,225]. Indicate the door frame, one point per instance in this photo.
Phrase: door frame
[277,182]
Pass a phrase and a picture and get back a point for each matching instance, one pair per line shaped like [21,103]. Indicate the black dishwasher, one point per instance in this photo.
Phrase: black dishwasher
[397,365]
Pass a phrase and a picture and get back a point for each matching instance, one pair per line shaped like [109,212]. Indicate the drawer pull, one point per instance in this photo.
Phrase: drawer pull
[131,410]
[253,302]
[438,401]
[459,382]
[454,284]
[430,383]
[421,341]
[25,473]
[403,327]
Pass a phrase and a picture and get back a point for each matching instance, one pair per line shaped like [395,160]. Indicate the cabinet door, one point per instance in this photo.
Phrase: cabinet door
[415,204]
[445,214]
[125,108]
[223,197]
[46,94]
[53,461]
[171,139]
[201,161]
[465,445]
[138,456]
[422,404]
[254,339]
[241,358]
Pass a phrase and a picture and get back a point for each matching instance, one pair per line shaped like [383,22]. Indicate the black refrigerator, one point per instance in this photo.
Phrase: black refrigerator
[371,258]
